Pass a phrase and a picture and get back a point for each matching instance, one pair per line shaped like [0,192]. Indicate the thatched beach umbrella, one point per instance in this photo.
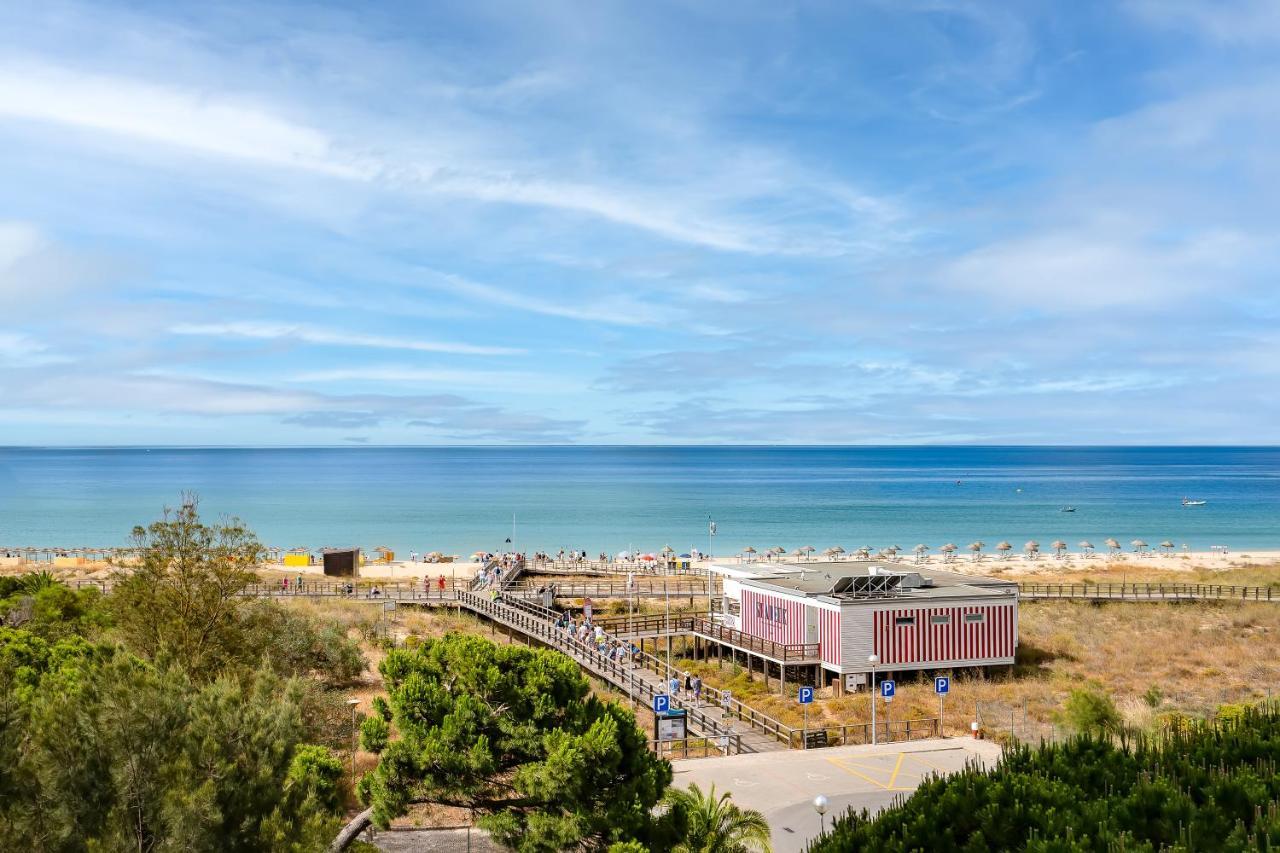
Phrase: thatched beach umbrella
[864,553]
[798,553]
[1167,546]
[920,550]
[1004,548]
[976,549]
[1112,545]
[1138,545]
[1032,548]
[1086,546]
[808,551]
[667,550]
[1059,546]
[748,550]
[948,550]
[833,551]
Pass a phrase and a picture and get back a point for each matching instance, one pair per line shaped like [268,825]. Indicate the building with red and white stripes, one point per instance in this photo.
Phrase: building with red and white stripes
[911,618]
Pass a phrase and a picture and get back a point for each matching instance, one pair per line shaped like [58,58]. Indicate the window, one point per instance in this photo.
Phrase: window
[940,620]
[735,606]
[904,620]
[975,617]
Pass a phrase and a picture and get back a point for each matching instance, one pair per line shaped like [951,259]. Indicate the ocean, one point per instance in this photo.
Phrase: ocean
[461,499]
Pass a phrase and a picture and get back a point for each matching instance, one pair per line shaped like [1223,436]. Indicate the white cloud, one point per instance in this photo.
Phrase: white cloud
[330,337]
[1088,268]
[167,115]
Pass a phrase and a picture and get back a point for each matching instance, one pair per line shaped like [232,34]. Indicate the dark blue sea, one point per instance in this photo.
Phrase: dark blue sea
[458,500]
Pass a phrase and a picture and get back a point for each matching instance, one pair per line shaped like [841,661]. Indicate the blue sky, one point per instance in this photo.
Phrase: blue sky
[666,222]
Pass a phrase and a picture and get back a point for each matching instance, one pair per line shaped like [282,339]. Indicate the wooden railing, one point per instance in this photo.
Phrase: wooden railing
[642,587]
[1148,592]
[698,747]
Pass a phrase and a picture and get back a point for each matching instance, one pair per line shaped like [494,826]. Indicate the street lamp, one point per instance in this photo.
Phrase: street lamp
[353,703]
[820,806]
[873,659]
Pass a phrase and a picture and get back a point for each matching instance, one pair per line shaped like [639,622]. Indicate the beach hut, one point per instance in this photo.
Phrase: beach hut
[1086,546]
[1004,548]
[975,548]
[1059,547]
[1112,545]
[1031,549]
[920,551]
[948,552]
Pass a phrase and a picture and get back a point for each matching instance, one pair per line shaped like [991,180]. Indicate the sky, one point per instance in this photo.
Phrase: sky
[896,221]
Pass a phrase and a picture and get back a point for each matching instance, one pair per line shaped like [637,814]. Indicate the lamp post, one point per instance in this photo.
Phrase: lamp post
[353,703]
[820,806]
[873,659]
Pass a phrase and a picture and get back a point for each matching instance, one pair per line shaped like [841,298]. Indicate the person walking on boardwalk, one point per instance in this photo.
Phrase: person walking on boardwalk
[440,584]
[675,685]
[697,689]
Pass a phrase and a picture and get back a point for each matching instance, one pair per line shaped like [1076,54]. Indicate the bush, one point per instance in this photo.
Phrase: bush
[1090,712]
[1205,786]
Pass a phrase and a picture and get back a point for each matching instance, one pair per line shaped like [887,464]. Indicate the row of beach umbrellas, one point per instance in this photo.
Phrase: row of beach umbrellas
[1031,549]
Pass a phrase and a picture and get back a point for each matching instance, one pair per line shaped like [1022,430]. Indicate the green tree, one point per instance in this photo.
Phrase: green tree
[716,825]
[514,736]
[181,600]
[100,750]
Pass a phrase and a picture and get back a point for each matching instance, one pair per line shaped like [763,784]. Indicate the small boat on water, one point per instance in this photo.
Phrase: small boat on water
[1189,502]
[1067,509]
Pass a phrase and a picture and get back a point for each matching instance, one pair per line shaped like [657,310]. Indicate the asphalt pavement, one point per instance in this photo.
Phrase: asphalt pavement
[783,785]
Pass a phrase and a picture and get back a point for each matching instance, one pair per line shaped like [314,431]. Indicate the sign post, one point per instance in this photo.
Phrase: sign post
[661,703]
[887,688]
[941,686]
[726,697]
[806,699]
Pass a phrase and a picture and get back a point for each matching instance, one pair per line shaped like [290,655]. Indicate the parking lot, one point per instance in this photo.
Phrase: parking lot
[782,785]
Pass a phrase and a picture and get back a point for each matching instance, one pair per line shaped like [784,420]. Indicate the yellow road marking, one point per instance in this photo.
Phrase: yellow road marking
[896,768]
[863,776]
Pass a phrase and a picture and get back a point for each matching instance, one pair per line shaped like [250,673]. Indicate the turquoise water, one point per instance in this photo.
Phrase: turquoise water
[458,500]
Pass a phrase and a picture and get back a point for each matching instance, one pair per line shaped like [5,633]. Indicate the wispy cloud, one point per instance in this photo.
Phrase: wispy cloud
[305,334]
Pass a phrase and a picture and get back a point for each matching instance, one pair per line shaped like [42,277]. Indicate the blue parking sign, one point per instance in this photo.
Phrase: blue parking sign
[887,689]
[942,685]
[806,695]
[661,703]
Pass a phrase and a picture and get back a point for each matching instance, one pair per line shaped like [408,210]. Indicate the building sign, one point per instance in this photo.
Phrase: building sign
[771,613]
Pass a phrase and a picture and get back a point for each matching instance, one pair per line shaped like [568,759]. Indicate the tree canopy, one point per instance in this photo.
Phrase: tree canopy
[515,736]
[1200,786]
[100,750]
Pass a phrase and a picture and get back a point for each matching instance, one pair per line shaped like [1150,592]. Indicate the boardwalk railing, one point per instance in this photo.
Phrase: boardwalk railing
[1148,592]
[621,673]
[661,625]
[697,747]
[620,589]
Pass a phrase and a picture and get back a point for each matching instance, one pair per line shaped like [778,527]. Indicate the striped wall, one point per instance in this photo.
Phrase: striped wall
[925,641]
[829,635]
[772,618]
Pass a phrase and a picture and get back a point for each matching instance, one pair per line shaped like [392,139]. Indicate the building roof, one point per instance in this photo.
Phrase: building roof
[870,580]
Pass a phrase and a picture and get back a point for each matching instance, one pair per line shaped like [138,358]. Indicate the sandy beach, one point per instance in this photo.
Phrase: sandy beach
[1150,565]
